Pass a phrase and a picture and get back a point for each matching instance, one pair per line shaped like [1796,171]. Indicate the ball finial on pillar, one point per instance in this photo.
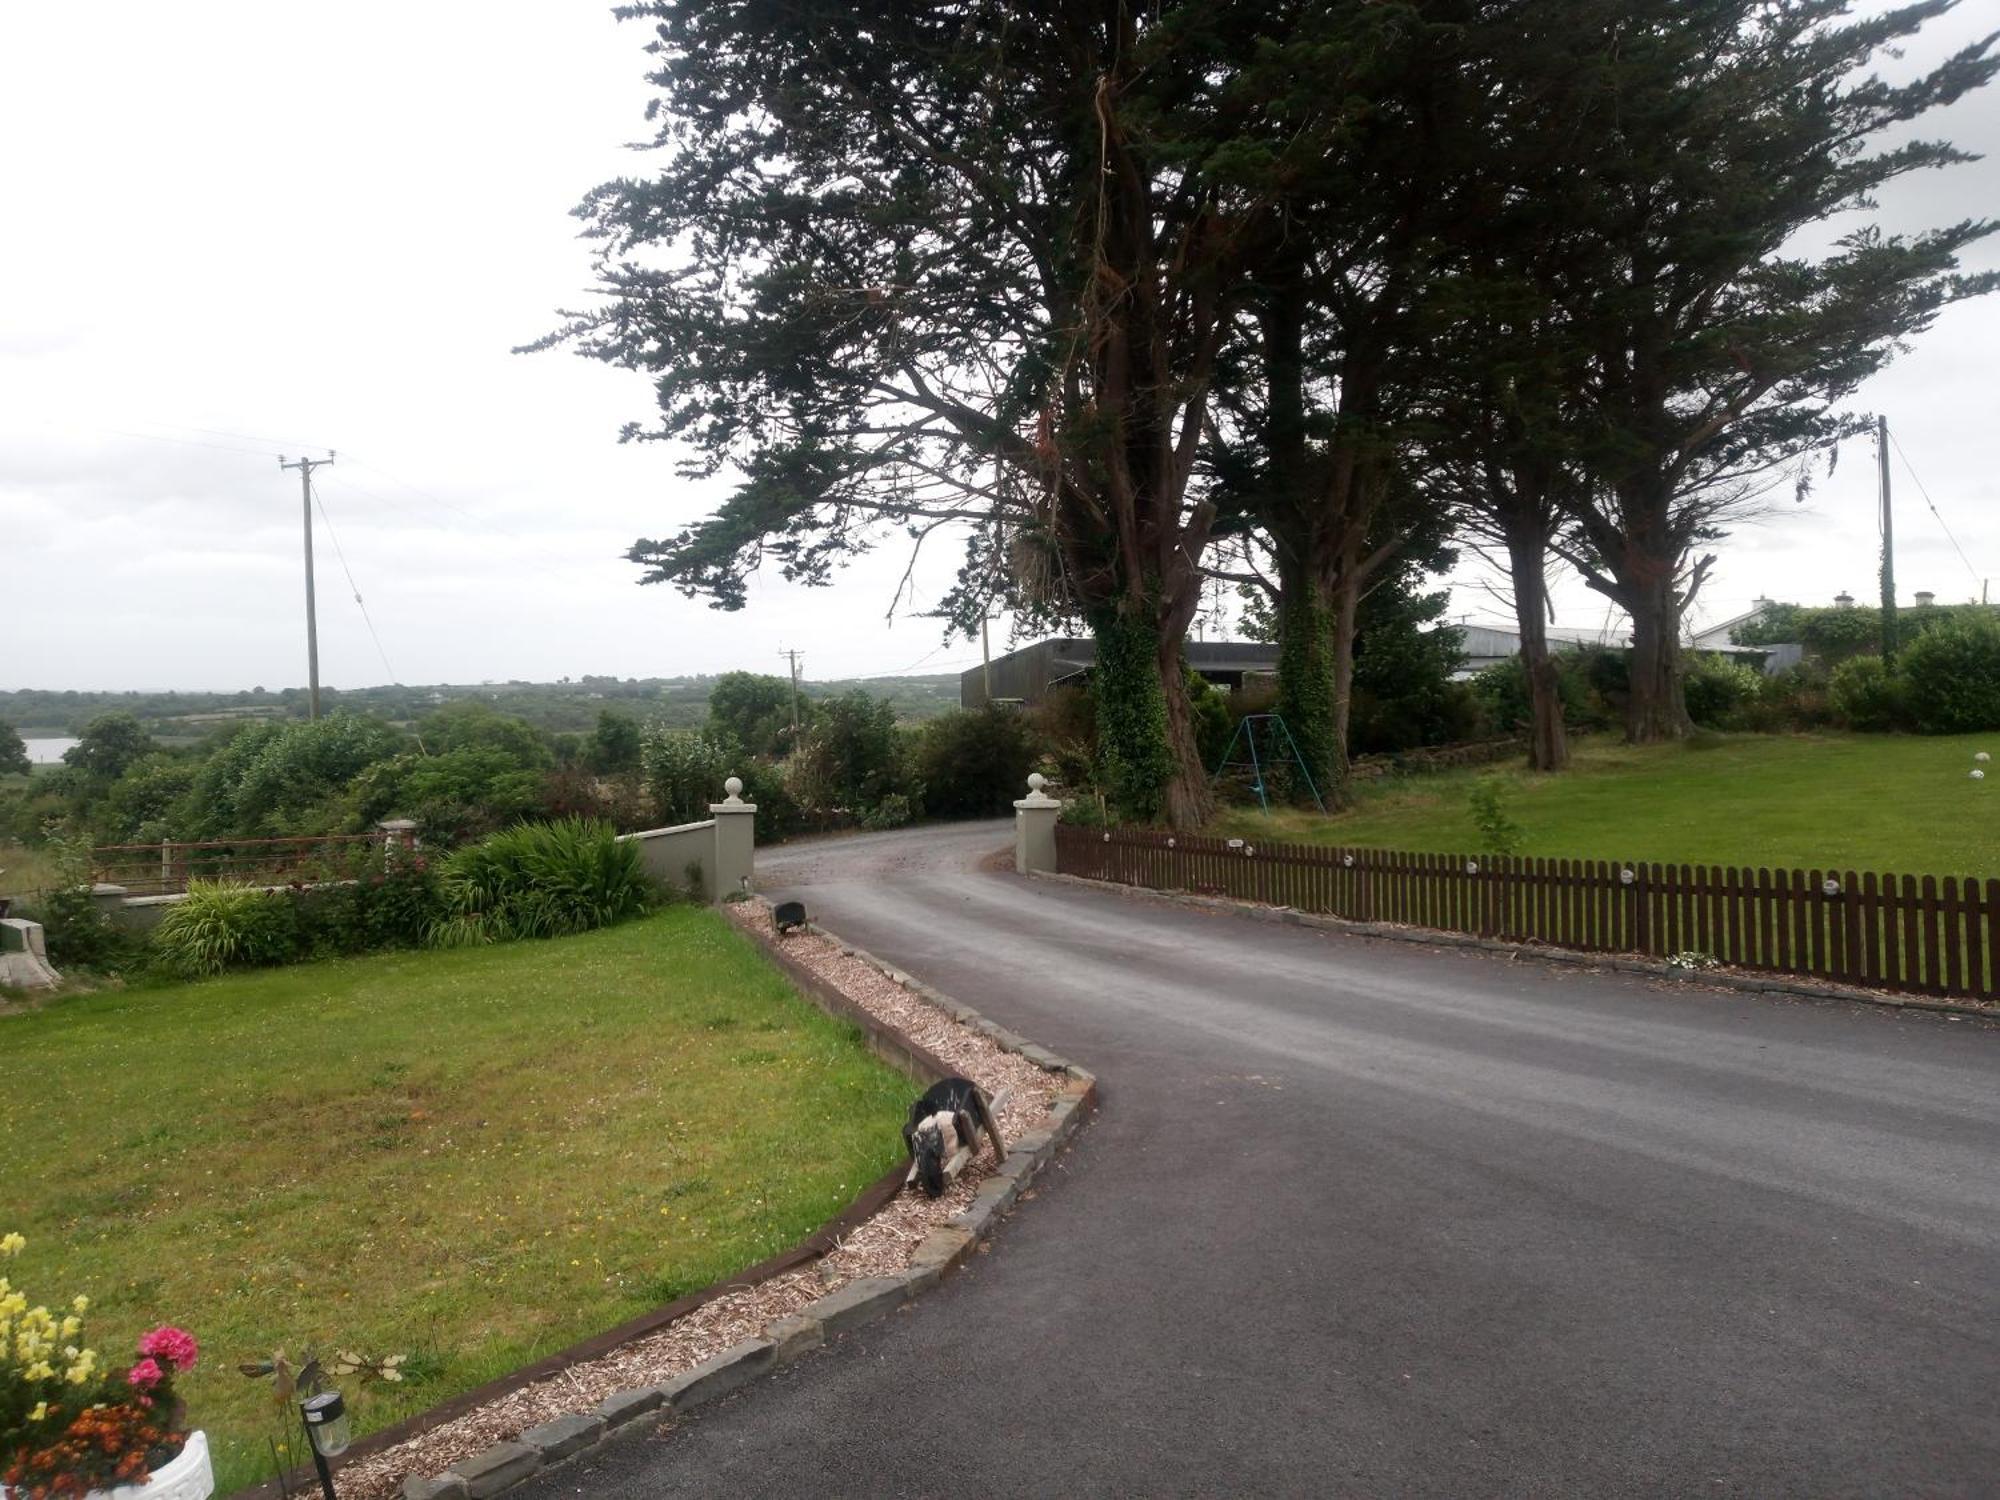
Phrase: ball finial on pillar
[733,787]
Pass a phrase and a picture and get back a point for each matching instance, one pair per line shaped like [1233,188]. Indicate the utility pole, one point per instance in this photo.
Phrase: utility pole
[793,658]
[305,466]
[985,661]
[1888,544]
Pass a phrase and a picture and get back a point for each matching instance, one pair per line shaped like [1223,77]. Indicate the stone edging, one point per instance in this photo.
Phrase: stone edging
[505,1465]
[1437,938]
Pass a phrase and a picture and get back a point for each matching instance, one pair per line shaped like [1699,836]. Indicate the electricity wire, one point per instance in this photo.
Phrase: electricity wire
[1932,506]
[341,553]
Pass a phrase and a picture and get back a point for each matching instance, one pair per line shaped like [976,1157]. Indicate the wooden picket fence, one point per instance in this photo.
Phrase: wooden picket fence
[1926,935]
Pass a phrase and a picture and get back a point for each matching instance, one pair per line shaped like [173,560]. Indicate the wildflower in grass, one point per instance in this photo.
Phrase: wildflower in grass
[12,1243]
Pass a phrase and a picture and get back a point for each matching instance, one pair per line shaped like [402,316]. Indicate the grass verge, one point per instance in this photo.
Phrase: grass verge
[471,1158]
[1862,802]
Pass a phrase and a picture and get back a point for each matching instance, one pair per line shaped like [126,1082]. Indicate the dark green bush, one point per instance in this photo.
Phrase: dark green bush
[226,925]
[779,815]
[974,763]
[1717,690]
[1952,672]
[540,880]
[1865,695]
[396,908]
[893,811]
[684,772]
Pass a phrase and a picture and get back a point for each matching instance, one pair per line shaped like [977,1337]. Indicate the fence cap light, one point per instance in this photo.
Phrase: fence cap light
[1626,876]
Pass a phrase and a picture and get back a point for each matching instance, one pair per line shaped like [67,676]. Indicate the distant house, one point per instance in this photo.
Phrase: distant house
[1027,675]
[1485,645]
[1714,640]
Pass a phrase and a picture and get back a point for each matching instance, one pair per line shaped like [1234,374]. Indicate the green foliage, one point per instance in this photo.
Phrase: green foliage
[538,880]
[394,908]
[458,794]
[78,934]
[1498,833]
[684,773]
[1953,673]
[779,815]
[974,763]
[615,744]
[894,810]
[474,726]
[1306,687]
[225,925]
[1214,723]
[1718,689]
[852,757]
[13,752]
[279,779]
[109,744]
[1774,625]
[755,711]
[1833,635]
[139,807]
[1501,692]
[1131,710]
[1866,695]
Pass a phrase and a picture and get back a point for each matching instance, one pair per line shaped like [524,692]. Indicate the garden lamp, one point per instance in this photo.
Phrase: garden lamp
[327,1433]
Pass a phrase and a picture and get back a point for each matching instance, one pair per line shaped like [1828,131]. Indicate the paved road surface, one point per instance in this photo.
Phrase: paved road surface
[1362,1218]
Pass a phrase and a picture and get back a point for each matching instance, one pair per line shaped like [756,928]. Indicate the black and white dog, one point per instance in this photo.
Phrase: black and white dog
[951,1114]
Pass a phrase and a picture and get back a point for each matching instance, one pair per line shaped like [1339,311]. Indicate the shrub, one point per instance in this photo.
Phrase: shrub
[974,763]
[1952,672]
[684,773]
[893,811]
[1498,833]
[779,815]
[1717,689]
[393,909]
[852,757]
[78,934]
[540,880]
[223,924]
[1865,695]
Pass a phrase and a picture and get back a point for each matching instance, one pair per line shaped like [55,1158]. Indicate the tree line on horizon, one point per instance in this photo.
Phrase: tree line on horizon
[1131,299]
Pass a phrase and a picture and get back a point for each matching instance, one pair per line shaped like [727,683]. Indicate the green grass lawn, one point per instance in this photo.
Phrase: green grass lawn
[472,1158]
[1862,802]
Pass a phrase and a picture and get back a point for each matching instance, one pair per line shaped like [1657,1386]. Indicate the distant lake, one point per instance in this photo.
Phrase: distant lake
[47,752]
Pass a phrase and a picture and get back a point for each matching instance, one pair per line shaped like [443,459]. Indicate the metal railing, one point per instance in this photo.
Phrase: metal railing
[165,869]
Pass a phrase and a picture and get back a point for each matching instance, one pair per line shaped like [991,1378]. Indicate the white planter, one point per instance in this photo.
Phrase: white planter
[188,1477]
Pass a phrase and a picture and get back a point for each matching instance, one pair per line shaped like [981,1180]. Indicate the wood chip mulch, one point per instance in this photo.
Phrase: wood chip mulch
[881,1246]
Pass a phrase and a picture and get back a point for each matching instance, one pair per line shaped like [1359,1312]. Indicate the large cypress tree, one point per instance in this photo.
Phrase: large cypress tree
[1706,143]
[939,263]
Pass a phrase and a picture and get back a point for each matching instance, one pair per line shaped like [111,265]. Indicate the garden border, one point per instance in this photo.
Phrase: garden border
[1577,958]
[506,1464]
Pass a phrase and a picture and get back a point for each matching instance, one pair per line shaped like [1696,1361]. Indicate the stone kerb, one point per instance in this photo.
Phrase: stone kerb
[1035,829]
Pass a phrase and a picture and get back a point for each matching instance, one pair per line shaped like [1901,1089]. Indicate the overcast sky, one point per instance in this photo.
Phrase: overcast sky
[240,229]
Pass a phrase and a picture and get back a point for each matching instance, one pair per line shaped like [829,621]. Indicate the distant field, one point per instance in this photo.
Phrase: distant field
[1863,802]
[23,869]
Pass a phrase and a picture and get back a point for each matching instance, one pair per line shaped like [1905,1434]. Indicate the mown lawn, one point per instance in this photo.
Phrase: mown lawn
[471,1158]
[1863,802]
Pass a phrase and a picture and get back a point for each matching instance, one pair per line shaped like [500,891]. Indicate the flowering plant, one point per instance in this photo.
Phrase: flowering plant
[68,1424]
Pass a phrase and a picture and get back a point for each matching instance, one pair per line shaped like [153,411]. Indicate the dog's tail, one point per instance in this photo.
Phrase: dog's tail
[984,1113]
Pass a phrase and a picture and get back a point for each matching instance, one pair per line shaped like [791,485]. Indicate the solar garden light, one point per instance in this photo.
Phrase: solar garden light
[327,1433]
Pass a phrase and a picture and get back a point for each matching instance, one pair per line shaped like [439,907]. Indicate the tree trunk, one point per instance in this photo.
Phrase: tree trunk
[1346,609]
[1527,551]
[1146,746]
[1656,709]
[1308,682]
[1189,799]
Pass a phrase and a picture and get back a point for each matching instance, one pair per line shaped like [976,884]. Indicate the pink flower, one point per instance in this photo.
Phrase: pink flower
[176,1346]
[145,1375]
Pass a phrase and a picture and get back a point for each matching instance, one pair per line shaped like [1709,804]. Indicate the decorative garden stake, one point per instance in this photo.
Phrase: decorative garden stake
[1626,877]
[1472,867]
[327,1431]
[1831,886]
[1347,860]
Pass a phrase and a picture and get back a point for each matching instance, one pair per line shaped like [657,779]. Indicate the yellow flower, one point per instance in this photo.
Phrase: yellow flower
[71,1326]
[82,1305]
[41,1369]
[12,1244]
[41,1410]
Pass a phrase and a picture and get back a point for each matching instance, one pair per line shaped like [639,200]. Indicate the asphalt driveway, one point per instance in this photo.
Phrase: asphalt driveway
[1363,1218]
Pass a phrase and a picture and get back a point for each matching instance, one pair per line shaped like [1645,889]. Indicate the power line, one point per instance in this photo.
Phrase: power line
[1931,505]
[353,587]
[435,499]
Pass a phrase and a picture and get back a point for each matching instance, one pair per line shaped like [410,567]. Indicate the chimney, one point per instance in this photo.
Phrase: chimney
[1925,598]
[1843,600]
